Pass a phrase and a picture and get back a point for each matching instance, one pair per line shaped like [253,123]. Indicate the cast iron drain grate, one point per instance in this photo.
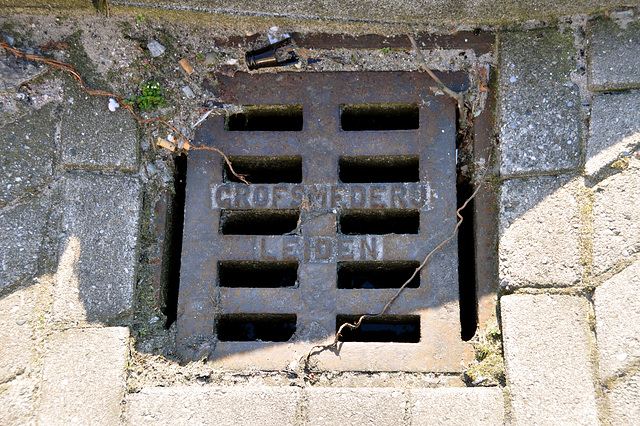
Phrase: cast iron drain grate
[355,181]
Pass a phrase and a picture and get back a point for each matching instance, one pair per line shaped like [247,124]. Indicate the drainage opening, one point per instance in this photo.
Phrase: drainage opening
[257,274]
[258,222]
[385,328]
[379,222]
[173,242]
[467,264]
[256,327]
[379,168]
[377,274]
[265,169]
[379,116]
[267,118]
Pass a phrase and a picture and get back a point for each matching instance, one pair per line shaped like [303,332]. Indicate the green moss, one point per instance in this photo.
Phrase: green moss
[488,367]
[621,164]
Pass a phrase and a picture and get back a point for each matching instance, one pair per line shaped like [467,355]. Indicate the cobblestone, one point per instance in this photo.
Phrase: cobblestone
[29,155]
[457,406]
[614,132]
[367,406]
[544,213]
[22,232]
[538,104]
[95,138]
[83,377]
[196,405]
[624,402]
[614,52]
[96,272]
[617,305]
[548,359]
[17,312]
[616,218]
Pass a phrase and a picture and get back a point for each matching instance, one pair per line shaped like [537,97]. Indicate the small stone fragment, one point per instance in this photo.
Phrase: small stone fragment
[188,92]
[155,48]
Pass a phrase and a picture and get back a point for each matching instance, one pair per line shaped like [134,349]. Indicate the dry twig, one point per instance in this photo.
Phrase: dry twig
[319,348]
[455,95]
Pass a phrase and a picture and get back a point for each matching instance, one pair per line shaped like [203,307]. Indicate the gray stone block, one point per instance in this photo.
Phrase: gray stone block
[613,54]
[624,402]
[457,406]
[94,138]
[547,351]
[17,343]
[357,406]
[614,131]
[83,376]
[28,155]
[96,272]
[197,405]
[617,305]
[22,233]
[540,231]
[616,218]
[538,104]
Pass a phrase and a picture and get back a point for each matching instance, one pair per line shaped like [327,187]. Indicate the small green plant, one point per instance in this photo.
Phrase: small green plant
[386,50]
[150,96]
[140,19]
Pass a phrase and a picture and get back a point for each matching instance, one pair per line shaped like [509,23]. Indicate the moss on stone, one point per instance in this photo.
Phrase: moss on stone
[488,367]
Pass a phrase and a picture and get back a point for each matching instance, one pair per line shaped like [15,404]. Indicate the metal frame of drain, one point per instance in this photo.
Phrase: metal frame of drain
[320,199]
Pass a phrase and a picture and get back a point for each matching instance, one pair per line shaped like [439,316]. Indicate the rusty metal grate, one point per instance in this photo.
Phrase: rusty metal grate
[354,182]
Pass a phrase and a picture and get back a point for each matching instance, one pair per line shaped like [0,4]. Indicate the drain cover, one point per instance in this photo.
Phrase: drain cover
[353,182]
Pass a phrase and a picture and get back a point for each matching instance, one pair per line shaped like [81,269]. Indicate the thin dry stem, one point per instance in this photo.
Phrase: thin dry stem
[455,95]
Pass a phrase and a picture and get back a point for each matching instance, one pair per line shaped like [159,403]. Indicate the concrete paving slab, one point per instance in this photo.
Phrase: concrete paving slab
[96,273]
[457,406]
[614,131]
[539,232]
[357,406]
[548,358]
[624,402]
[616,218]
[613,54]
[440,12]
[22,232]
[538,104]
[617,305]
[15,71]
[94,138]
[29,155]
[197,405]
[17,315]
[84,376]
[17,399]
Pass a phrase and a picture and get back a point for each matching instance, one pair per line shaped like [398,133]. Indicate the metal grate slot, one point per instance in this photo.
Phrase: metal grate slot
[379,222]
[258,222]
[256,327]
[386,328]
[379,168]
[379,116]
[377,274]
[266,118]
[257,274]
[265,169]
